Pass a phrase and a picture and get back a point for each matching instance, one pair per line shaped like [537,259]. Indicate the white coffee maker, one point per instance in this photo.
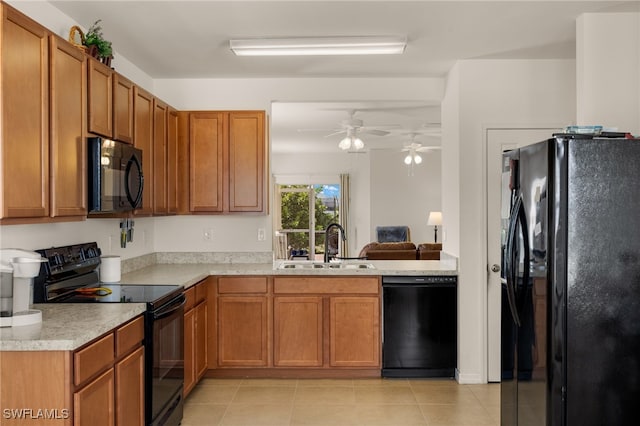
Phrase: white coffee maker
[18,268]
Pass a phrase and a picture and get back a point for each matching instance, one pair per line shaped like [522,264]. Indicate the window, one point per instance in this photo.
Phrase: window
[303,213]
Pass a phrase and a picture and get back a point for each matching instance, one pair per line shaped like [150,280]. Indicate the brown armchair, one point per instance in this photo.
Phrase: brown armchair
[429,251]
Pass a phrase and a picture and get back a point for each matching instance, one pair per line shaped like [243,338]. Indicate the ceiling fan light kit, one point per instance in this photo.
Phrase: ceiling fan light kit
[361,45]
[351,142]
[412,158]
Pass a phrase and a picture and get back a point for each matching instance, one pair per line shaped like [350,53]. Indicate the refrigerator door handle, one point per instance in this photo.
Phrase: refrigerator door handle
[522,219]
[511,263]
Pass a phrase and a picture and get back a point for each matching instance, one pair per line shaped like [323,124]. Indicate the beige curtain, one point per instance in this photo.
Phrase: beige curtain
[345,196]
[279,240]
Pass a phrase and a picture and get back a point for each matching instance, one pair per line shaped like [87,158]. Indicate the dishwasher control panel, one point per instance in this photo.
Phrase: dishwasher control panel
[422,279]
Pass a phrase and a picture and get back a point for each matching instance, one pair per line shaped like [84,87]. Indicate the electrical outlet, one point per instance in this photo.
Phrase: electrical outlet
[207,234]
[261,234]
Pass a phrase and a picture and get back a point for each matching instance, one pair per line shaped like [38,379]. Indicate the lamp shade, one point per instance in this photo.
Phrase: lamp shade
[435,218]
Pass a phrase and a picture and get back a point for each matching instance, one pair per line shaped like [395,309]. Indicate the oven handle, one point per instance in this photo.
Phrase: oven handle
[164,312]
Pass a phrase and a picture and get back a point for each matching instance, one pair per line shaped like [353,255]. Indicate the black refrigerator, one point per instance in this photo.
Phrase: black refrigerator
[571,282]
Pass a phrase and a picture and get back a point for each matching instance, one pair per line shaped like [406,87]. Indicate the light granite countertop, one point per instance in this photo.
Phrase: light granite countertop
[69,326]
[186,274]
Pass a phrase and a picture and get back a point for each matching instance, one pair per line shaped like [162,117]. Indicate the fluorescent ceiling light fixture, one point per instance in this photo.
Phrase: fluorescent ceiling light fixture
[378,45]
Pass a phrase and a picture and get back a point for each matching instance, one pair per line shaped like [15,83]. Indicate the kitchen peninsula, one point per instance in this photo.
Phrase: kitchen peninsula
[240,320]
[55,333]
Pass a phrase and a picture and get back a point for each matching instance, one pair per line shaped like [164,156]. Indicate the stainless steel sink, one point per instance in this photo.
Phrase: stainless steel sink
[301,264]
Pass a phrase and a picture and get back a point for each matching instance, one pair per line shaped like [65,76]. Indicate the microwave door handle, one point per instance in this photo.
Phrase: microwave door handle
[133,201]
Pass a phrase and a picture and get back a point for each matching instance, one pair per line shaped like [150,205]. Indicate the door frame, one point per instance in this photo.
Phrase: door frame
[486,129]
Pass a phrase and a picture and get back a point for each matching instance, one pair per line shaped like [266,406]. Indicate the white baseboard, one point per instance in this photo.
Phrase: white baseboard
[468,379]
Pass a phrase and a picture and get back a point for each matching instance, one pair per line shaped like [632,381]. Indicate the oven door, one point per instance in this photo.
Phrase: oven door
[165,363]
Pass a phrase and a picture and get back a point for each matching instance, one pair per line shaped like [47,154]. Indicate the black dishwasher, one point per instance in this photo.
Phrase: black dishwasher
[420,323]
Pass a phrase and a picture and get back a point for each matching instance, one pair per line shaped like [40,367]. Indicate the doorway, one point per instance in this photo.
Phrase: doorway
[499,140]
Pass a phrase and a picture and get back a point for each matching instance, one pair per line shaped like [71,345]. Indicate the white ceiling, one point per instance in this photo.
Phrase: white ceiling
[190,39]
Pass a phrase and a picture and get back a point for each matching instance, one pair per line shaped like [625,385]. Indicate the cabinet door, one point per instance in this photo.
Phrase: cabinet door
[129,392]
[159,157]
[243,331]
[246,161]
[206,153]
[100,99]
[68,130]
[143,139]
[122,109]
[172,161]
[200,346]
[354,331]
[297,334]
[189,341]
[94,404]
[25,117]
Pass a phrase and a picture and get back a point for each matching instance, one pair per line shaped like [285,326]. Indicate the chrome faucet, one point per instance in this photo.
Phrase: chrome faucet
[326,239]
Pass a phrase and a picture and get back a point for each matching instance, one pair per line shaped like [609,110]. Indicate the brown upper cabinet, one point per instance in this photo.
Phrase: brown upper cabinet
[122,109]
[173,158]
[160,111]
[207,136]
[24,93]
[68,129]
[100,98]
[227,167]
[110,103]
[143,138]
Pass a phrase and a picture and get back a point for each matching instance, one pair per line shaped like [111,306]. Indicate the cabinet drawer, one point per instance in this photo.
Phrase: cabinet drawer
[201,292]
[129,336]
[93,359]
[231,285]
[190,295]
[326,285]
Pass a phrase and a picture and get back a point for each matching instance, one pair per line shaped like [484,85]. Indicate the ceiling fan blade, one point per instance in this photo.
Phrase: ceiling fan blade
[316,130]
[376,132]
[337,132]
[428,148]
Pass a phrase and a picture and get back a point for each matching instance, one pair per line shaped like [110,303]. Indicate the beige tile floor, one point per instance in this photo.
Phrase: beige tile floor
[344,402]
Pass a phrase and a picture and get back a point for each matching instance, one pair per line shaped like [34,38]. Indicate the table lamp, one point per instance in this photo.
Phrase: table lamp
[435,219]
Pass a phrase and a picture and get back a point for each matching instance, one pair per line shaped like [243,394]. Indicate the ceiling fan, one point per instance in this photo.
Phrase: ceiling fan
[413,149]
[352,127]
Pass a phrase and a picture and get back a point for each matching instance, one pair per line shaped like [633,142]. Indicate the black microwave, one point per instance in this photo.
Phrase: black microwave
[115,178]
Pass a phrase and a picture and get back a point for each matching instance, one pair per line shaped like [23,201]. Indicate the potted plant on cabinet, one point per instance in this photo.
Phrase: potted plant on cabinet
[97,45]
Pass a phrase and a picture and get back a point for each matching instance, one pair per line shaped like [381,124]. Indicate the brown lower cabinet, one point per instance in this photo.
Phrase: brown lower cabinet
[195,334]
[295,326]
[94,403]
[99,384]
[298,331]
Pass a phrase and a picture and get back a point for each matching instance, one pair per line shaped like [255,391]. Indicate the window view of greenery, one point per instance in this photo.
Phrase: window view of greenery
[306,210]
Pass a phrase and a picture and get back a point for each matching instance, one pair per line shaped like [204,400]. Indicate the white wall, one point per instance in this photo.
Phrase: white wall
[450,155]
[608,58]
[402,197]
[106,232]
[256,93]
[489,93]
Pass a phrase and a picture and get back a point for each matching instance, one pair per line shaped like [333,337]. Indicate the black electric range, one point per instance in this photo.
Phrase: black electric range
[71,276]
